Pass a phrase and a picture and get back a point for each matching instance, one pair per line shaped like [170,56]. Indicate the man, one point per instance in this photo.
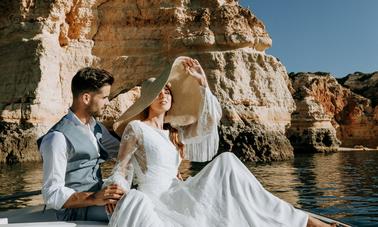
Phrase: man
[73,149]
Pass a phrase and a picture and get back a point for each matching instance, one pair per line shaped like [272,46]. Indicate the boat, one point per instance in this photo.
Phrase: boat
[36,216]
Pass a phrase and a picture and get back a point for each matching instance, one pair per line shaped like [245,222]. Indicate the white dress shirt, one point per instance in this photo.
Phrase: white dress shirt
[55,150]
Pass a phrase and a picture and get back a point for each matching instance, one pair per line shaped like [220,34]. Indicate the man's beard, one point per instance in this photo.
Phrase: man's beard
[94,112]
[97,113]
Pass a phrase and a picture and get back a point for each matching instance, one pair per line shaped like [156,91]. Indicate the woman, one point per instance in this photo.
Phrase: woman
[224,193]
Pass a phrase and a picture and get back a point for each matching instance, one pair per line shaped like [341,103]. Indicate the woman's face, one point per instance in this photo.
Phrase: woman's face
[162,102]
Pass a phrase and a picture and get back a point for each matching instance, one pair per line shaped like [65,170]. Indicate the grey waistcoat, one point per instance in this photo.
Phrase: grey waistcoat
[83,172]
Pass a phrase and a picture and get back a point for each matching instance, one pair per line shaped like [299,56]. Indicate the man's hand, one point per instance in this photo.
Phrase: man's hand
[108,195]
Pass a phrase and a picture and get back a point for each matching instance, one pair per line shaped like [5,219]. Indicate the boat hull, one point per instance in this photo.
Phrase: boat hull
[36,215]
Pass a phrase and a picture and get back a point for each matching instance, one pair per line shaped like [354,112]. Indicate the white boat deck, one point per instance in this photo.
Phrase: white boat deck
[34,216]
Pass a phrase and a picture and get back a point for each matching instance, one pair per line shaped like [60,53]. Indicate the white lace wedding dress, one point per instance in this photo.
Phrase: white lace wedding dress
[224,193]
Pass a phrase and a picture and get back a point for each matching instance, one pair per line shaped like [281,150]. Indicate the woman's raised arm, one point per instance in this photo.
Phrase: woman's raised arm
[201,138]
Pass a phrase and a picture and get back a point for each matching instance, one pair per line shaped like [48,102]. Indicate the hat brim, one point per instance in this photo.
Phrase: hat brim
[186,95]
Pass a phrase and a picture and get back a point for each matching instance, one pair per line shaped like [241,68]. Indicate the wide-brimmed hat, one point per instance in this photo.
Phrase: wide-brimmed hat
[186,93]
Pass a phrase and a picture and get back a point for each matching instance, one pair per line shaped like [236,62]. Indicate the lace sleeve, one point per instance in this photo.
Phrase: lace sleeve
[123,171]
[201,138]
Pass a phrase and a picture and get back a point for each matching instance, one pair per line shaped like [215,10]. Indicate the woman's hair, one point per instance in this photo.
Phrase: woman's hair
[173,133]
[174,137]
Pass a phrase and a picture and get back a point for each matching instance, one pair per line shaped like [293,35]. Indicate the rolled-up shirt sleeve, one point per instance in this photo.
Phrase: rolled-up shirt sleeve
[54,153]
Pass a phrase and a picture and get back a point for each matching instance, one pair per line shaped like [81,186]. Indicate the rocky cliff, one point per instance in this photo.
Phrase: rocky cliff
[362,129]
[229,41]
[311,124]
[329,114]
[43,44]
[364,84]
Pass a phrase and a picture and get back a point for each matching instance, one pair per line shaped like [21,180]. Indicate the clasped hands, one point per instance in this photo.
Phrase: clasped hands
[109,196]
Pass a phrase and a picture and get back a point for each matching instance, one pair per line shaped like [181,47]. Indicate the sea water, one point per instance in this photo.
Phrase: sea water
[342,185]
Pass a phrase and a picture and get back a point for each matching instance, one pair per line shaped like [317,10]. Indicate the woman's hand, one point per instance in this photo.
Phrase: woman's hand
[194,69]
[179,176]
[110,208]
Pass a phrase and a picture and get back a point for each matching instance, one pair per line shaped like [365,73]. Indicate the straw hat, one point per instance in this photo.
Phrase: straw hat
[186,93]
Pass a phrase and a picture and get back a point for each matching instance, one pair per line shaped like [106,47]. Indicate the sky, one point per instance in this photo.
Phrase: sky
[336,36]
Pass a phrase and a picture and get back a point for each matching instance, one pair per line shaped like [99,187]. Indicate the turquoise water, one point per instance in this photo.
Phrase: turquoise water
[343,185]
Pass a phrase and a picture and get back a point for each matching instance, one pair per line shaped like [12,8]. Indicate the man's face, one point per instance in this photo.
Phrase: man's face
[98,101]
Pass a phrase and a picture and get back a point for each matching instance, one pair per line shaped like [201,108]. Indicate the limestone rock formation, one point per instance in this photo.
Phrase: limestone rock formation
[311,128]
[365,84]
[43,44]
[228,41]
[363,128]
[325,106]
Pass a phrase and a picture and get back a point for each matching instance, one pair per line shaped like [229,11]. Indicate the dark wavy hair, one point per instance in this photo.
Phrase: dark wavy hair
[90,79]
